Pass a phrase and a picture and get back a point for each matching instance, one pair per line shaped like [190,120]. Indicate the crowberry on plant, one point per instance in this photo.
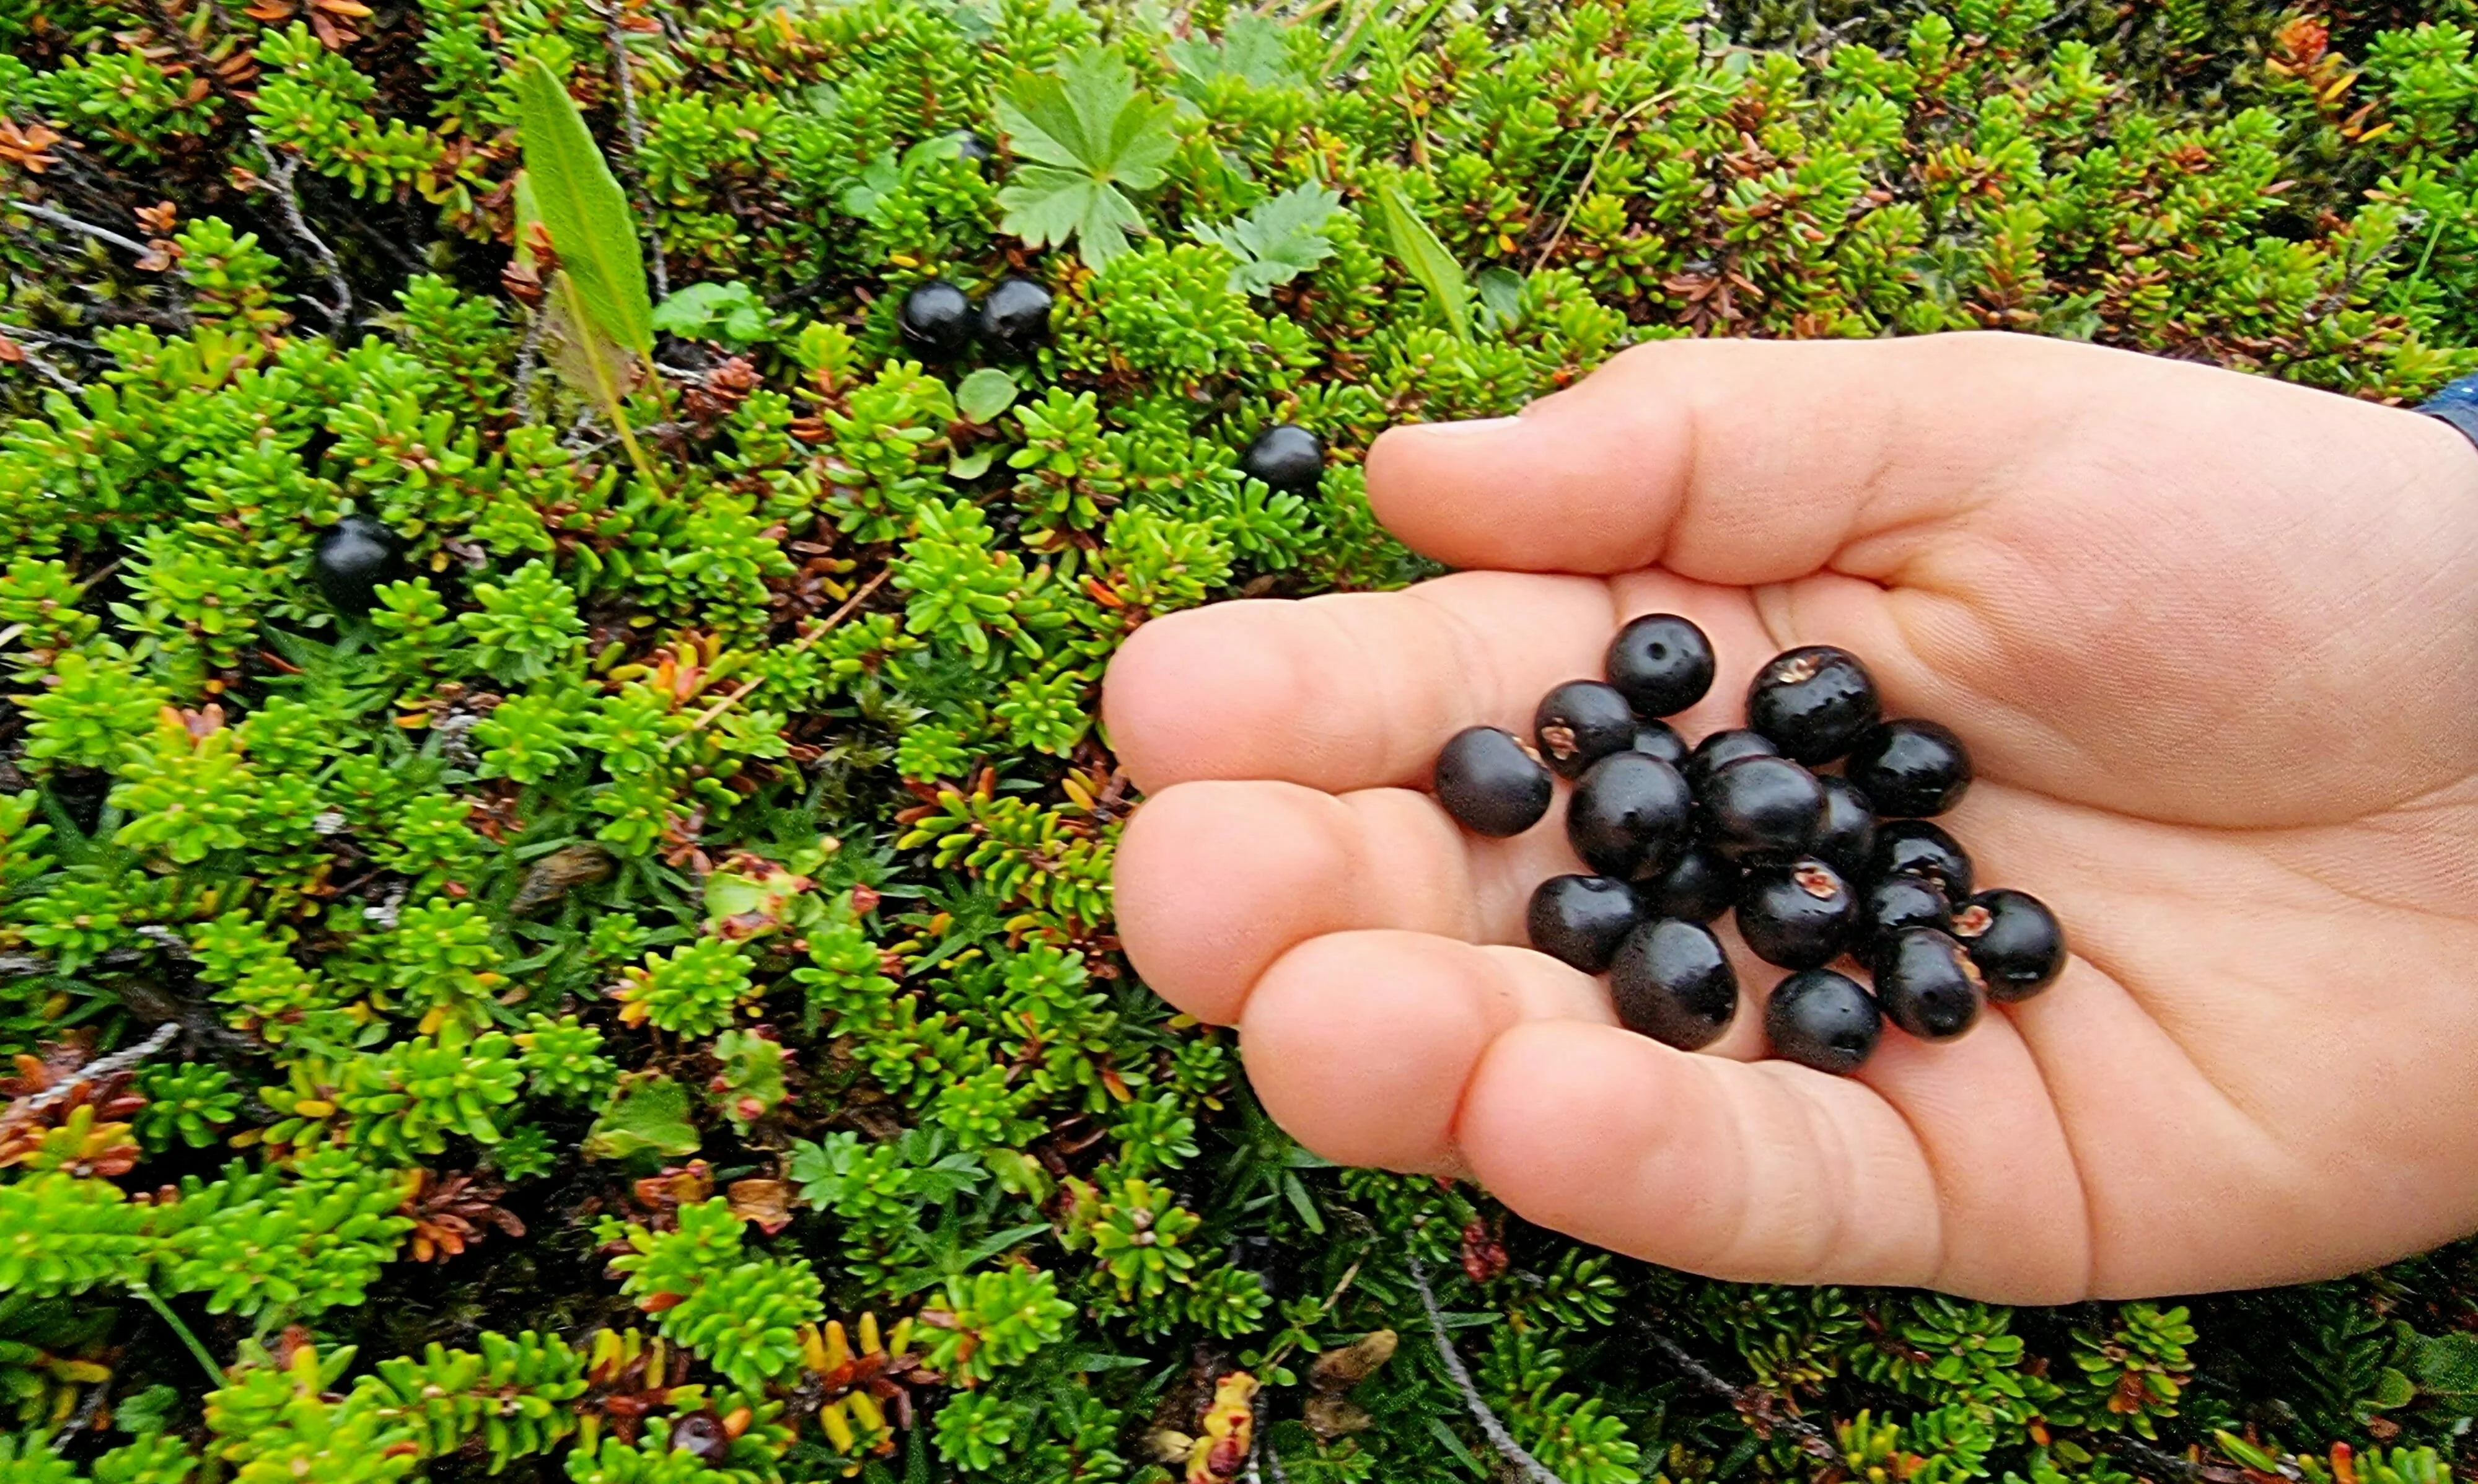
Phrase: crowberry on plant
[1910,767]
[1578,723]
[1822,1020]
[1288,459]
[936,320]
[1015,316]
[1926,984]
[1799,915]
[350,559]
[1490,781]
[1762,809]
[1670,980]
[1813,702]
[2016,941]
[1581,920]
[1630,815]
[1662,662]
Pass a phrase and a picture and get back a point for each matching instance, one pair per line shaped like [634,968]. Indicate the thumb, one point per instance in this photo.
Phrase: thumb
[1749,462]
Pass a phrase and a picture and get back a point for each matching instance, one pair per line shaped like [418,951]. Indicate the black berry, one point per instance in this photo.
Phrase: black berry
[350,559]
[1799,915]
[2016,941]
[1581,920]
[1926,984]
[1580,724]
[1698,887]
[1762,809]
[970,146]
[1671,981]
[1814,702]
[1287,458]
[1892,904]
[1822,1020]
[1914,847]
[1662,663]
[1629,816]
[1491,783]
[1659,739]
[1910,767]
[1847,831]
[1722,748]
[936,320]
[1015,316]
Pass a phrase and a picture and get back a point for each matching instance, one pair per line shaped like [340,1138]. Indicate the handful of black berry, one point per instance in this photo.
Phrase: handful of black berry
[1818,867]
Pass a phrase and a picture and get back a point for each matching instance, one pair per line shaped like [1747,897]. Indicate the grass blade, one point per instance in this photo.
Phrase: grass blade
[1426,259]
[584,209]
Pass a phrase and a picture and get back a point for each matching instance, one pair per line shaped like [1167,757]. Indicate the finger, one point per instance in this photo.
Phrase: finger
[1358,1043]
[1216,881]
[1358,690]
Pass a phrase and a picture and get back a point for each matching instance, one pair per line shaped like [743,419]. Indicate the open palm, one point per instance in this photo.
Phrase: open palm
[2213,644]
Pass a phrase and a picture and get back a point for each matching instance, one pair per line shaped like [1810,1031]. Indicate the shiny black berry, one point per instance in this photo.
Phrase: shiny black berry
[1892,904]
[1659,739]
[1698,887]
[1762,809]
[1914,847]
[1580,724]
[2016,941]
[1799,915]
[1629,814]
[1671,981]
[1581,920]
[1910,767]
[1015,316]
[1926,984]
[1662,663]
[1722,748]
[1847,830]
[1814,703]
[936,320]
[1822,1020]
[1490,781]
[971,146]
[1287,458]
[350,559]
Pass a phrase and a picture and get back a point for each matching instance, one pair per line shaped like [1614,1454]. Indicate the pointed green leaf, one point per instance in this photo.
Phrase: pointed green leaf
[1426,259]
[583,208]
[1500,289]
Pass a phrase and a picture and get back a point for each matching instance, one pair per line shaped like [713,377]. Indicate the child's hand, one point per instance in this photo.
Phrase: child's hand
[2213,643]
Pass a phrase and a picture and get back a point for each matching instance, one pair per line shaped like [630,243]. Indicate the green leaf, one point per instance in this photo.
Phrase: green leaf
[2448,1364]
[1250,50]
[1279,239]
[728,311]
[974,465]
[583,208]
[1086,132]
[1500,289]
[985,394]
[646,1115]
[1426,259]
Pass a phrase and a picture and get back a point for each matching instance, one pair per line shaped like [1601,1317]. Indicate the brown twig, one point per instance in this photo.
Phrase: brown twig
[1502,1440]
[1761,1409]
[279,176]
[69,223]
[851,605]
